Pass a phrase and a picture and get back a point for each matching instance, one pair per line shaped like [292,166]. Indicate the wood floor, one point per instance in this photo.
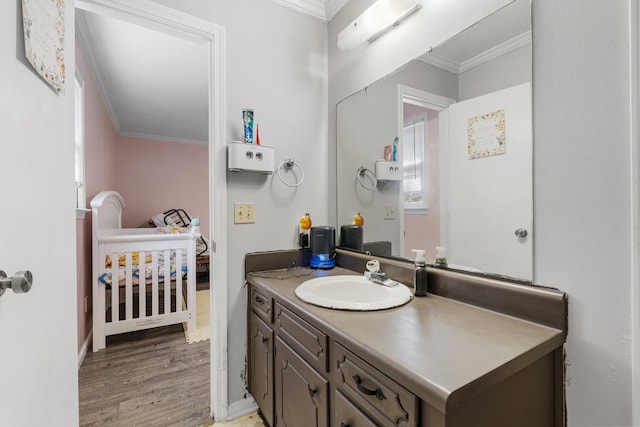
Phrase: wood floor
[146,378]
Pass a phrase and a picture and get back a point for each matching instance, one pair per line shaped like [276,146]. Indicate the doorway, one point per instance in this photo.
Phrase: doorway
[422,122]
[151,15]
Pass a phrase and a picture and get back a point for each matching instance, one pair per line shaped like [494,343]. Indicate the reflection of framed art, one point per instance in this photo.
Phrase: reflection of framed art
[43,22]
[486,135]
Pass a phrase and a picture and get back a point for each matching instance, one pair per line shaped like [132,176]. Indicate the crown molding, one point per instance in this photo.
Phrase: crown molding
[322,10]
[457,68]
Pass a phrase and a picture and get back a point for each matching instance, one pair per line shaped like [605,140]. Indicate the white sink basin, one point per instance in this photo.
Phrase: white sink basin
[352,293]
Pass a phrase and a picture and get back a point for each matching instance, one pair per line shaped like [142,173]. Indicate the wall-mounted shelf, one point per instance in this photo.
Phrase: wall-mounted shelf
[388,171]
[250,157]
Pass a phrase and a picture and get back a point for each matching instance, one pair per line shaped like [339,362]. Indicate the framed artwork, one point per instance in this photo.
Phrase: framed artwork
[486,135]
[43,22]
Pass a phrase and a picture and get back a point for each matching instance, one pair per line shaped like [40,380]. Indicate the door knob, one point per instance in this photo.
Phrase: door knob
[521,232]
[20,282]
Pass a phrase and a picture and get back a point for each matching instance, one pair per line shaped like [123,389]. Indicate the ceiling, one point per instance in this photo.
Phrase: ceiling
[148,94]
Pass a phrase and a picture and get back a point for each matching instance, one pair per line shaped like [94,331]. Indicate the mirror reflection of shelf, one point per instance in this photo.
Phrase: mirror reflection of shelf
[388,171]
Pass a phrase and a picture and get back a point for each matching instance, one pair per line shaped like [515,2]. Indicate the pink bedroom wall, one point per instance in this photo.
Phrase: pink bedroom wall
[425,228]
[152,176]
[155,176]
[100,174]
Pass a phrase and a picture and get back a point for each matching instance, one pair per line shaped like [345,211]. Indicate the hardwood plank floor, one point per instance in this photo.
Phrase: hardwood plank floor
[146,378]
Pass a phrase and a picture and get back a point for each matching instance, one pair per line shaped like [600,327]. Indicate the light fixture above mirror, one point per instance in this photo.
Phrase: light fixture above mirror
[375,21]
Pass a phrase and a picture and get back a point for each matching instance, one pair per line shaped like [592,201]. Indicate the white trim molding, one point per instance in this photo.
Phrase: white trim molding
[150,14]
[634,140]
[322,10]
[457,68]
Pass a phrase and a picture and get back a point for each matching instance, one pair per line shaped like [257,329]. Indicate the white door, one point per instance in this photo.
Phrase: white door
[38,343]
[491,197]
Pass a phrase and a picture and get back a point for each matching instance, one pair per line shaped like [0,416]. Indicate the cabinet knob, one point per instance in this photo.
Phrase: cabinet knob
[312,392]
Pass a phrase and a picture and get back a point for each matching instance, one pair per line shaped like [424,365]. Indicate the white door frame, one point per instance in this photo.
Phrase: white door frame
[634,107]
[438,103]
[147,13]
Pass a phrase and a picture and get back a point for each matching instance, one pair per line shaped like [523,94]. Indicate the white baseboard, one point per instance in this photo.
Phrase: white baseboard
[85,347]
[241,407]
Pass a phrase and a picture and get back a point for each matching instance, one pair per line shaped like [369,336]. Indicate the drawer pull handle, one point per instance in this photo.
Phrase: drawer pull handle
[260,300]
[377,392]
[312,392]
[265,340]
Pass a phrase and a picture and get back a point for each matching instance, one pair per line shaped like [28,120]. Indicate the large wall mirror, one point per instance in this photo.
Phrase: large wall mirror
[459,121]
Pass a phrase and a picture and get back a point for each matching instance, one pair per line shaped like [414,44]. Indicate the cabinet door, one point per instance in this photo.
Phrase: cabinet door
[261,366]
[301,392]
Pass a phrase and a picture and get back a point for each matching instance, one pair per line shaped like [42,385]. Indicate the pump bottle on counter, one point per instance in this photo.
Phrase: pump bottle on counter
[420,274]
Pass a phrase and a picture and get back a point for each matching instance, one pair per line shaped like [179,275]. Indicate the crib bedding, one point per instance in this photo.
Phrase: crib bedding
[106,278]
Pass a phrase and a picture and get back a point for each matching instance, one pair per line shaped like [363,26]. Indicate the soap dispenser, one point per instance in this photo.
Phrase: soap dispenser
[420,274]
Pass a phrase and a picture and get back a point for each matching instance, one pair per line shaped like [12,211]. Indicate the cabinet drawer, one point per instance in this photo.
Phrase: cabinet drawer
[304,339]
[386,401]
[346,414]
[261,304]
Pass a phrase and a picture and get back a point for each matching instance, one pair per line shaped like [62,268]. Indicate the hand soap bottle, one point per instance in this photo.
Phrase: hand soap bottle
[420,274]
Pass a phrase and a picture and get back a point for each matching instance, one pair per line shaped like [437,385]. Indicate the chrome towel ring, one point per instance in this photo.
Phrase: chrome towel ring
[289,164]
[362,172]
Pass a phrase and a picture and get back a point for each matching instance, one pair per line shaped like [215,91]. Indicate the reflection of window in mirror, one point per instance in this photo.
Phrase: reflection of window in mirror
[414,167]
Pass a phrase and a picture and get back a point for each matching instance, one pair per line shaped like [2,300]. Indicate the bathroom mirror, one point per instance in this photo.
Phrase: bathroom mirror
[462,175]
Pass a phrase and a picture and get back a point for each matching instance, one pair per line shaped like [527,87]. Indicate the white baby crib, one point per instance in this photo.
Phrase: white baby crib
[157,268]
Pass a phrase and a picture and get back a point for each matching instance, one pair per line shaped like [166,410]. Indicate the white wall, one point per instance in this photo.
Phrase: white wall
[38,342]
[510,69]
[581,182]
[276,64]
[582,195]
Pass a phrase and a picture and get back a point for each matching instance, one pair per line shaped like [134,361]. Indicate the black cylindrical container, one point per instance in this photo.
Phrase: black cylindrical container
[351,236]
[420,280]
[323,240]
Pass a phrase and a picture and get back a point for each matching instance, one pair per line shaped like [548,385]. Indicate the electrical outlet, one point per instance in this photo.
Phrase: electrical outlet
[244,213]
[389,211]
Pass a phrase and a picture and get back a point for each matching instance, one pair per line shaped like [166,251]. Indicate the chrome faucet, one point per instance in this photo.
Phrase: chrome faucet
[376,276]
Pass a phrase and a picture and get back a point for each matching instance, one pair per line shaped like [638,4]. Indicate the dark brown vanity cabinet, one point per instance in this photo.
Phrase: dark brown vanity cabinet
[287,365]
[261,346]
[261,366]
[310,366]
[302,394]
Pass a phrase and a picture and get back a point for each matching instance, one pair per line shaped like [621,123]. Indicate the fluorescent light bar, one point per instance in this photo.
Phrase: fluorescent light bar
[377,19]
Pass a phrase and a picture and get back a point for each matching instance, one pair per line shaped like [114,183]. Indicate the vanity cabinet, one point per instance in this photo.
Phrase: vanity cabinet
[302,394]
[261,366]
[434,362]
[260,355]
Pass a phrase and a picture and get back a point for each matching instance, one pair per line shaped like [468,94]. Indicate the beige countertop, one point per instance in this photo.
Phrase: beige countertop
[444,351]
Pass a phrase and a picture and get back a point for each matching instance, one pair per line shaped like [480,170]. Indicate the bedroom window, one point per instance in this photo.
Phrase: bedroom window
[414,166]
[79,147]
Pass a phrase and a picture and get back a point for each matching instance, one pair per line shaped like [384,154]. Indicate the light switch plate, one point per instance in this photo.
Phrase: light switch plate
[389,211]
[244,213]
